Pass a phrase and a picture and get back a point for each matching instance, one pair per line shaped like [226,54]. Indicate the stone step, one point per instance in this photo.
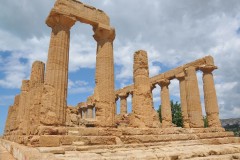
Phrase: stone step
[219,157]
[173,151]
[138,131]
[224,140]
[137,139]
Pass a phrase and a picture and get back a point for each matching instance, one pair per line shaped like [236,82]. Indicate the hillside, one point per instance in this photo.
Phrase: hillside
[232,124]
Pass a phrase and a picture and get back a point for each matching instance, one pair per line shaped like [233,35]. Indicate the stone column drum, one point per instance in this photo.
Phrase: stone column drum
[104,93]
[143,113]
[23,116]
[84,112]
[56,80]
[210,96]
[182,86]
[90,111]
[34,95]
[193,99]
[37,74]
[123,103]
[166,106]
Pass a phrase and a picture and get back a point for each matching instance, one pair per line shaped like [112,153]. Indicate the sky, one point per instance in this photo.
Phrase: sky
[173,32]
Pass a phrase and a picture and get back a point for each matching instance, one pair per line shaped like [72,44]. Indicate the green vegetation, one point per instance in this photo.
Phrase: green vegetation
[176,114]
[178,121]
[234,128]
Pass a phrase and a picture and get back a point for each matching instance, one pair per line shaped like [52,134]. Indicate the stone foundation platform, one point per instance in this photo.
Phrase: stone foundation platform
[201,149]
[116,136]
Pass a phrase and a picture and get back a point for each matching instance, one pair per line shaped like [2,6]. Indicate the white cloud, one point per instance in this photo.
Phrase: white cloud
[75,87]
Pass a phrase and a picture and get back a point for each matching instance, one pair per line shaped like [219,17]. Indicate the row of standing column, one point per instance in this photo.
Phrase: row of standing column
[190,99]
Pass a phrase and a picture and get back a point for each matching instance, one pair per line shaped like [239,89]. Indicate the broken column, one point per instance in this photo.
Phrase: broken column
[53,111]
[193,99]
[23,116]
[35,94]
[143,113]
[37,74]
[182,86]
[104,92]
[166,112]
[123,103]
[210,96]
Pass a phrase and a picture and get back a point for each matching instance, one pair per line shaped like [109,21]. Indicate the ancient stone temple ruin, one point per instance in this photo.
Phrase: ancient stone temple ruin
[40,125]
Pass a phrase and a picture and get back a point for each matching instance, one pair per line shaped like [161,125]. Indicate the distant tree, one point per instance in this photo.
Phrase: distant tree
[176,113]
[205,120]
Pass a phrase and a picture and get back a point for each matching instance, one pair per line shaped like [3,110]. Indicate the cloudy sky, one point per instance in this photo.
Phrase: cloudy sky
[173,32]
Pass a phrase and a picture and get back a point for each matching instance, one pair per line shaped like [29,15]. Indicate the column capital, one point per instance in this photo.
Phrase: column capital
[207,68]
[103,34]
[60,22]
[152,86]
[163,82]
[180,76]
[123,95]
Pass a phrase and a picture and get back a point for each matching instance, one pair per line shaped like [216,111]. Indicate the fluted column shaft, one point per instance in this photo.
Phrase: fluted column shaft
[90,111]
[57,68]
[166,112]
[210,96]
[193,99]
[182,86]
[84,112]
[104,92]
[37,74]
[123,104]
[23,116]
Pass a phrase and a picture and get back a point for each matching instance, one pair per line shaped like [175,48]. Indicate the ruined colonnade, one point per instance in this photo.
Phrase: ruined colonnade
[189,94]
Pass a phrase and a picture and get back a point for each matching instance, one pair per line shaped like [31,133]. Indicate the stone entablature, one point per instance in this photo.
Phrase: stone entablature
[189,93]
[172,74]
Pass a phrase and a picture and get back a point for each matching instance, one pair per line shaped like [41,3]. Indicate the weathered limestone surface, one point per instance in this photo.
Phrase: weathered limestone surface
[23,107]
[84,13]
[143,113]
[210,96]
[37,74]
[72,116]
[54,99]
[182,86]
[166,106]
[193,99]
[104,92]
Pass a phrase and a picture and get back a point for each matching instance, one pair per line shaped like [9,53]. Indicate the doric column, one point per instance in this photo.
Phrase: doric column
[56,80]
[80,113]
[193,99]
[37,74]
[166,111]
[143,113]
[90,111]
[23,116]
[123,103]
[104,92]
[210,96]
[84,112]
[182,86]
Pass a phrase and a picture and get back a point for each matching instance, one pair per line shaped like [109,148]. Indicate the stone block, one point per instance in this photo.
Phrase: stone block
[67,140]
[54,150]
[49,141]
